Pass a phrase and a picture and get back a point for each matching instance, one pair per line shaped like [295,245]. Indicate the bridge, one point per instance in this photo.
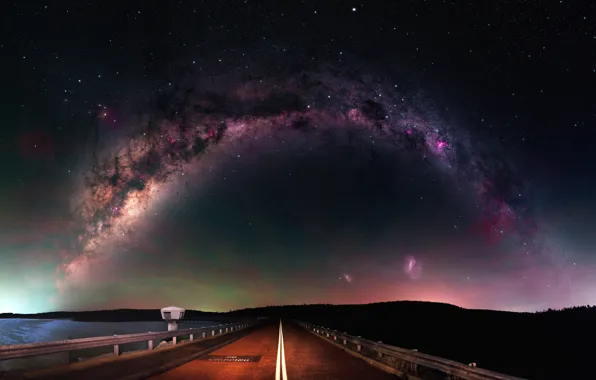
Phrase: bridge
[250,349]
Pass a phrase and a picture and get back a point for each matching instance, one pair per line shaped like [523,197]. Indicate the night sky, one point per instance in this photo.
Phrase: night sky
[230,154]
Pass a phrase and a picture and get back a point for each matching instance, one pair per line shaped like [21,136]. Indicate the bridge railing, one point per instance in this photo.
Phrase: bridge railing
[409,364]
[45,348]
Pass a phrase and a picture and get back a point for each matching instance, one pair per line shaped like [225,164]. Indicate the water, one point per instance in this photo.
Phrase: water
[19,331]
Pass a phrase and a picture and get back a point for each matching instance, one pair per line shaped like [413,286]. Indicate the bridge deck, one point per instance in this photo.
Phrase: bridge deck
[252,355]
[306,357]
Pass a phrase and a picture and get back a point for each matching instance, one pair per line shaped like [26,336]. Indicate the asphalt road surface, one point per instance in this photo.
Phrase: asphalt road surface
[279,351]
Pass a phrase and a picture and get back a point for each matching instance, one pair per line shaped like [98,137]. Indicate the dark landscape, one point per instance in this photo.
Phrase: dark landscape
[118,315]
[512,343]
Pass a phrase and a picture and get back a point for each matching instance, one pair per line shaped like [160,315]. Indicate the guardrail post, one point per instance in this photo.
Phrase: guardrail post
[116,349]
[344,341]
[334,337]
[174,340]
[358,347]
[150,344]
[220,330]
[204,333]
[212,332]
[192,337]
[226,329]
[414,365]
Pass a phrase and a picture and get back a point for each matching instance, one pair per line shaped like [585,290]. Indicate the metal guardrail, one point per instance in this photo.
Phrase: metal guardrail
[44,348]
[408,363]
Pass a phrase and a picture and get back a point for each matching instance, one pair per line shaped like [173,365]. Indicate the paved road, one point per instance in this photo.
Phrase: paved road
[270,354]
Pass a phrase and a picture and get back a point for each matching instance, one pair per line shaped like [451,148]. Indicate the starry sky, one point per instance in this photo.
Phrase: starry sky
[229,154]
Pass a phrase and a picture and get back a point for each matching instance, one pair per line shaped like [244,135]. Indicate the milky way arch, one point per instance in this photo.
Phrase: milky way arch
[127,178]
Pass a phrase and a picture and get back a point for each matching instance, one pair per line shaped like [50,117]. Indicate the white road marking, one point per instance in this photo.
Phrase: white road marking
[284,373]
[280,367]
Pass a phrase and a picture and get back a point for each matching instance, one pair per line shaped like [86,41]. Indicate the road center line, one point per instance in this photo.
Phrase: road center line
[280,366]
[284,373]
